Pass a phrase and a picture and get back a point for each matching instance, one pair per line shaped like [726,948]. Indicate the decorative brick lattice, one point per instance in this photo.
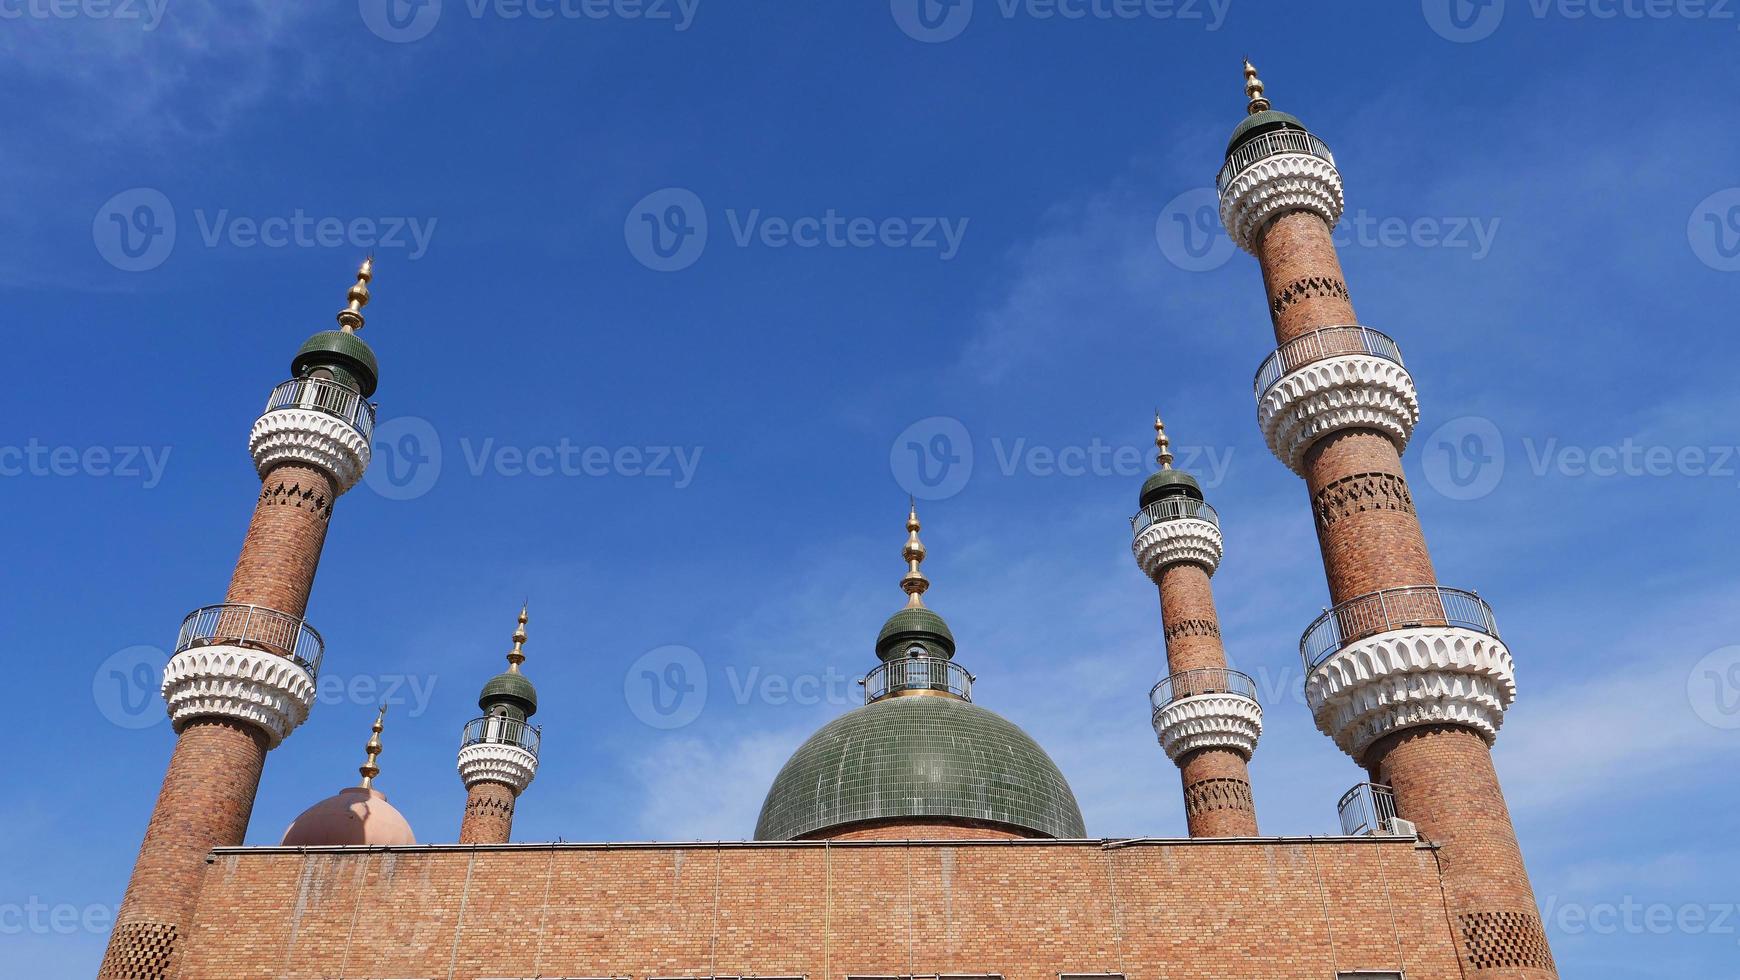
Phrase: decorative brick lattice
[139,951]
[489,806]
[1494,940]
[293,495]
[1217,794]
[1193,627]
[1310,287]
[1362,492]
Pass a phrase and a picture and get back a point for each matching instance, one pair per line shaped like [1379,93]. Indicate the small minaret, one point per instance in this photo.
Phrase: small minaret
[242,676]
[498,754]
[1408,677]
[1207,716]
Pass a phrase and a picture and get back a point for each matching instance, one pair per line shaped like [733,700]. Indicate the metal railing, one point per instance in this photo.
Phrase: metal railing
[1392,609]
[1319,344]
[918,674]
[324,395]
[1202,680]
[496,730]
[254,627]
[1268,145]
[1367,809]
[1171,509]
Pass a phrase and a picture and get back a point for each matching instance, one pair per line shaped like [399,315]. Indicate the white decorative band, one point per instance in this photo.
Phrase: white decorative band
[1347,391]
[1427,675]
[263,689]
[496,762]
[1209,721]
[1177,539]
[316,438]
[1275,185]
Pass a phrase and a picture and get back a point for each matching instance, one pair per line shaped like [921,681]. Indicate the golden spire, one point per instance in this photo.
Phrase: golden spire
[1254,90]
[350,318]
[371,766]
[913,583]
[517,655]
[1161,443]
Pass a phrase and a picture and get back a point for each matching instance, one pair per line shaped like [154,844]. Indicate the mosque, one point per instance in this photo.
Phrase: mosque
[921,835]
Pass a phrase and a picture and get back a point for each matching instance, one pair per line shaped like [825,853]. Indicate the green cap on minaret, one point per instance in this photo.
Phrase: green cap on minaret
[510,690]
[1168,482]
[914,624]
[1260,117]
[341,351]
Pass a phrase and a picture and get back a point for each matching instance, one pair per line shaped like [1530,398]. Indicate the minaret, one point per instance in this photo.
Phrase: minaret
[243,672]
[498,753]
[1207,717]
[1409,678]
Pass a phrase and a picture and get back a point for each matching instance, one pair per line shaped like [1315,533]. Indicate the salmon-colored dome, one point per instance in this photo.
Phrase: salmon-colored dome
[356,816]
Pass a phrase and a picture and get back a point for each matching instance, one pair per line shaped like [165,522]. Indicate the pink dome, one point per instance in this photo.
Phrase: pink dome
[356,816]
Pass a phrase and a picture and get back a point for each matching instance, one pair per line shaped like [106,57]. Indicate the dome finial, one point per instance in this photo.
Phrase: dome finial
[913,583]
[1254,90]
[517,655]
[371,766]
[350,319]
[1162,443]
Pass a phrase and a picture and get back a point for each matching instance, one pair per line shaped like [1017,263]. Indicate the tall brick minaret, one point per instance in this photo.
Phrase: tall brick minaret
[1409,678]
[498,753]
[242,676]
[1206,715]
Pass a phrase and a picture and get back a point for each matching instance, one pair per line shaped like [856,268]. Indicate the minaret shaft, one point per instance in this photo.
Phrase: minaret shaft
[1217,781]
[285,537]
[489,814]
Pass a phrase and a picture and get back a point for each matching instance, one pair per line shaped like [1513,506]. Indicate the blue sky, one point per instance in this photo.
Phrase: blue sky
[1542,211]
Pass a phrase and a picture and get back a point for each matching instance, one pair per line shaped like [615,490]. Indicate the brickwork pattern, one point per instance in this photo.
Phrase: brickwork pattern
[1297,248]
[1271,910]
[282,547]
[489,814]
[1310,287]
[1359,493]
[1496,940]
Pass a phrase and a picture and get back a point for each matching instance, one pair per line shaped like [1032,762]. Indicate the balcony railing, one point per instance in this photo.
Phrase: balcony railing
[331,397]
[1171,509]
[918,674]
[1367,809]
[494,730]
[1319,344]
[1392,609]
[1268,145]
[1202,680]
[256,628]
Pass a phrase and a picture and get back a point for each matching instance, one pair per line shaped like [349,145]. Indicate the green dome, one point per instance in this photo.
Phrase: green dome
[511,688]
[345,353]
[1170,483]
[915,624]
[914,757]
[1262,122]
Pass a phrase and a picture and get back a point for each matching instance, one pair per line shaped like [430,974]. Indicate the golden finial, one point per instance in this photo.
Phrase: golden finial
[517,655]
[1254,90]
[371,767]
[350,319]
[1162,443]
[913,583]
